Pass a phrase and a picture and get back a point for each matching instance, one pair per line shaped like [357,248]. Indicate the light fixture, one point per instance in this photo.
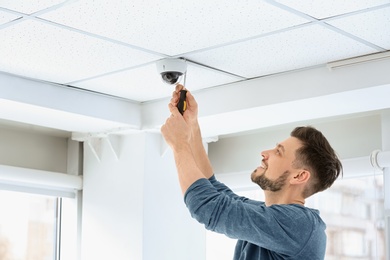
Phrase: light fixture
[359,60]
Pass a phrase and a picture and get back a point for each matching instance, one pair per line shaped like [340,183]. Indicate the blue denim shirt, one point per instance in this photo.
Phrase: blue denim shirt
[287,231]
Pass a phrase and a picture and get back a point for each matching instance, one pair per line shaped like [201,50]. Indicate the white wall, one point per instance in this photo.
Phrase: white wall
[37,162]
[169,231]
[35,151]
[133,207]
[112,202]
[350,137]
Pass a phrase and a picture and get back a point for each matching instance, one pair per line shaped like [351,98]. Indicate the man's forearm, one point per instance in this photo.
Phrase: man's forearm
[187,169]
[200,155]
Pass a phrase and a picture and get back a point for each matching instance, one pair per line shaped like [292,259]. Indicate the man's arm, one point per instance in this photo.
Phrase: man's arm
[284,229]
[177,134]
[199,152]
[196,142]
[187,169]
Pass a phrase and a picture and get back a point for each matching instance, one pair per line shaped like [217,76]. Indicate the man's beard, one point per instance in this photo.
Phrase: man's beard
[267,184]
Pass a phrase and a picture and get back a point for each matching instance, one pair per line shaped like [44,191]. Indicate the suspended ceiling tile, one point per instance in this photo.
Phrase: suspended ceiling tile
[29,7]
[6,17]
[324,9]
[144,83]
[45,52]
[294,49]
[174,27]
[372,26]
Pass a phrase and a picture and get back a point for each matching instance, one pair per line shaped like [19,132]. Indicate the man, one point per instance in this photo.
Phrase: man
[281,227]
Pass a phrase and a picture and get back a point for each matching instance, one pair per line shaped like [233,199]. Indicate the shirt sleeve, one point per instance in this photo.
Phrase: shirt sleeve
[222,188]
[280,229]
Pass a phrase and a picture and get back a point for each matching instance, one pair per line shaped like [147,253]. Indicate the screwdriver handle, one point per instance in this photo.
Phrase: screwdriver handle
[182,104]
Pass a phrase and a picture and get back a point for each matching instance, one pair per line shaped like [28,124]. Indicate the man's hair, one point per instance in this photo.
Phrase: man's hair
[318,157]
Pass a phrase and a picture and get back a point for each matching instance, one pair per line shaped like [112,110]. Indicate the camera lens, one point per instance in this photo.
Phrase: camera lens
[171,77]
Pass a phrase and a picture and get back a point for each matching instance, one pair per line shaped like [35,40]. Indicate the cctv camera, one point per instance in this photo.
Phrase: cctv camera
[171,70]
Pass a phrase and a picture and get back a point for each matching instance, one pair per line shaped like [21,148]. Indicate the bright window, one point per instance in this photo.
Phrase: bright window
[355,223]
[28,226]
[353,212]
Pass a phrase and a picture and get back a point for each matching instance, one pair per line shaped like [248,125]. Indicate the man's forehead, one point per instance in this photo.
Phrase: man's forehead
[290,144]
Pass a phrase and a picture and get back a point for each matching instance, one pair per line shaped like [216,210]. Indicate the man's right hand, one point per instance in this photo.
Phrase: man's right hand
[191,118]
[191,113]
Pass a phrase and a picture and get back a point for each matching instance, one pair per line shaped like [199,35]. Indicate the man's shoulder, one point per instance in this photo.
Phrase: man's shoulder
[296,212]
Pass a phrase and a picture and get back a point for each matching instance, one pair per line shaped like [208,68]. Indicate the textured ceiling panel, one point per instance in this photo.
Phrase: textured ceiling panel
[375,28]
[144,83]
[45,52]
[294,49]
[6,17]
[112,46]
[29,7]
[330,8]
[174,27]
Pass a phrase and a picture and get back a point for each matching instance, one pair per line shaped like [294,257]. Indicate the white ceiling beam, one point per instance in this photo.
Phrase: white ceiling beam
[263,102]
[61,107]
[285,98]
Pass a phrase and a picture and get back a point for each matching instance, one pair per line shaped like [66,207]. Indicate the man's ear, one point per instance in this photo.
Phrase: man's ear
[300,177]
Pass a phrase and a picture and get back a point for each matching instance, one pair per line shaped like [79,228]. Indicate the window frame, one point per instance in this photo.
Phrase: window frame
[66,188]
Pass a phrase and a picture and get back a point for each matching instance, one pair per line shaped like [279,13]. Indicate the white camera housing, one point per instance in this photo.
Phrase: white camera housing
[171,70]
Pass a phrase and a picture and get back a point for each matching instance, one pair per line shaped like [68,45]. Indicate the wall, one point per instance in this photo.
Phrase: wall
[352,137]
[33,150]
[112,202]
[169,231]
[38,161]
[133,207]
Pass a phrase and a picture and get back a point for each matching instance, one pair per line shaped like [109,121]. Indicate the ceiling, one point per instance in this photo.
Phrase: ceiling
[111,47]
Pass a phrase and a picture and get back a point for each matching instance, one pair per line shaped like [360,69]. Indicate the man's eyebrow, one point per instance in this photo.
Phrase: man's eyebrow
[281,147]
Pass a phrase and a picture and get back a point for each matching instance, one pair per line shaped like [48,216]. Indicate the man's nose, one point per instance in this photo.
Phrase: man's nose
[265,154]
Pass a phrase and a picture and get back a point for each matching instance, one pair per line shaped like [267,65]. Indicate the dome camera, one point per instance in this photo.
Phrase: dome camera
[171,70]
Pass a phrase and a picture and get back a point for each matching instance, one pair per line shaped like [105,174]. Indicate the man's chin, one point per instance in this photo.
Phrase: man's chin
[255,174]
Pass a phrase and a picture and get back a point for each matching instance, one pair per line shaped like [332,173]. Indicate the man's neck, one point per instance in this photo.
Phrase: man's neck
[280,197]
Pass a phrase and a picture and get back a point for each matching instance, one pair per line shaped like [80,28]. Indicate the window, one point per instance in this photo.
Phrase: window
[355,223]
[34,205]
[28,226]
[351,208]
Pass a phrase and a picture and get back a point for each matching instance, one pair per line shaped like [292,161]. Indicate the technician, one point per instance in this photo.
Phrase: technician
[281,227]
